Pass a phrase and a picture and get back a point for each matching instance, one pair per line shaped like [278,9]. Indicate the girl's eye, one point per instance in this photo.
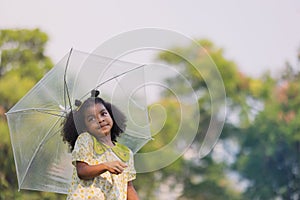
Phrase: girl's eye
[91,119]
[104,113]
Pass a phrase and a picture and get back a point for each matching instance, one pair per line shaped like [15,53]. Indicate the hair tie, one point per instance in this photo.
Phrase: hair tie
[95,93]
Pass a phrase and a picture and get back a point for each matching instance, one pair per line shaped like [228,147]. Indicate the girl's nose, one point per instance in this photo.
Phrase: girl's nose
[100,118]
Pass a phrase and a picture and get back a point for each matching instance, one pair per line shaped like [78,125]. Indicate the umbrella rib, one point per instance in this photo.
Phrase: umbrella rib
[118,75]
[134,102]
[57,115]
[36,151]
[114,77]
[66,90]
[42,110]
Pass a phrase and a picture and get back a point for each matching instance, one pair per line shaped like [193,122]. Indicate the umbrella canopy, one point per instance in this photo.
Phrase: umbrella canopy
[42,159]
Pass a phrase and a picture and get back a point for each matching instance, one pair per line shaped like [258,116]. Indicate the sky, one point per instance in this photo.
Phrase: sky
[258,35]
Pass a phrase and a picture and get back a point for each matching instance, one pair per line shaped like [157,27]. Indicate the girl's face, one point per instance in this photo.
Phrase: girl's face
[97,120]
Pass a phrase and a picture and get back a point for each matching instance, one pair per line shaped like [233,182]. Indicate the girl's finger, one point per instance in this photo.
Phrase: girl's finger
[118,169]
[123,164]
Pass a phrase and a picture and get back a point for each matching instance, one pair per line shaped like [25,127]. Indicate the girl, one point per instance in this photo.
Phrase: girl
[104,168]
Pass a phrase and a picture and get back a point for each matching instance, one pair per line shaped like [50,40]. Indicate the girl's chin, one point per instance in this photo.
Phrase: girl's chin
[101,134]
[106,133]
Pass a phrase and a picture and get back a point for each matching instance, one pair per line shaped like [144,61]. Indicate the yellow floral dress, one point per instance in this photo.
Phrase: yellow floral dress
[105,186]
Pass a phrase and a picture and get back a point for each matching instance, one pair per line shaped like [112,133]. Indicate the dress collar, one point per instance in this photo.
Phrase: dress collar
[120,150]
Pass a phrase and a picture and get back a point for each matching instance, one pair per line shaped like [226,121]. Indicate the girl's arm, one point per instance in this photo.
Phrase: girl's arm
[131,193]
[86,171]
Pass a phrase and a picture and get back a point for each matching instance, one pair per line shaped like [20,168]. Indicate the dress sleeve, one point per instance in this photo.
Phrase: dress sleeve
[131,169]
[83,149]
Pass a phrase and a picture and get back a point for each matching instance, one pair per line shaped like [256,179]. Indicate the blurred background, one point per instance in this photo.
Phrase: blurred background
[256,48]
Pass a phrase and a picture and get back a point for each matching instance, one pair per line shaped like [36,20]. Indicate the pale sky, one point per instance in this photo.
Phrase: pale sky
[258,35]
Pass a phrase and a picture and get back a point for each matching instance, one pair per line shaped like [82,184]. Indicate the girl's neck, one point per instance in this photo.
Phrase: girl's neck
[106,140]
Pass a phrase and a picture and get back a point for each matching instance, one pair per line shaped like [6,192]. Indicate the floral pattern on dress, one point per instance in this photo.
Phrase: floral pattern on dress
[106,186]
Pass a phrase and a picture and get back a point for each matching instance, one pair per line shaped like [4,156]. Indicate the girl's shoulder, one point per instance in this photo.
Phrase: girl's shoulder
[83,143]
[85,136]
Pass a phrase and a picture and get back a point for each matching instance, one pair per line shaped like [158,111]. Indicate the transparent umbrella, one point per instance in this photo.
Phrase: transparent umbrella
[42,159]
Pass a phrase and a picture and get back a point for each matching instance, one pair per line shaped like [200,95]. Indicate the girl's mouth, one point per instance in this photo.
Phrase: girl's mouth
[101,126]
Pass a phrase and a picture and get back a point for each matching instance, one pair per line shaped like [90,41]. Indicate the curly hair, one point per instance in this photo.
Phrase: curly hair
[74,123]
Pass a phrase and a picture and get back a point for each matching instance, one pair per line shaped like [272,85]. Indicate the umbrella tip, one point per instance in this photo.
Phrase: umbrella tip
[95,93]
[77,102]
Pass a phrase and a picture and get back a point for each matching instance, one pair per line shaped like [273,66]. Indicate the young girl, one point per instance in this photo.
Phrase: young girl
[104,168]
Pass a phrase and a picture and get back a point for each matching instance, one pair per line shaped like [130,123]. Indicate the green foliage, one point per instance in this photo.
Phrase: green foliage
[206,178]
[270,147]
[10,93]
[267,132]
[22,64]
[239,87]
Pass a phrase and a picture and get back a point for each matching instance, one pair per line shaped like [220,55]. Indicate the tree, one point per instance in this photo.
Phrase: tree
[22,63]
[241,90]
[206,178]
[270,147]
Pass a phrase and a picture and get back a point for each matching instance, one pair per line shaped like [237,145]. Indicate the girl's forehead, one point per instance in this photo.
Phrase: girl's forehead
[95,107]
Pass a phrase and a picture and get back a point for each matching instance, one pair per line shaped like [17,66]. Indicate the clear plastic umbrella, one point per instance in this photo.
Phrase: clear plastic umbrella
[42,159]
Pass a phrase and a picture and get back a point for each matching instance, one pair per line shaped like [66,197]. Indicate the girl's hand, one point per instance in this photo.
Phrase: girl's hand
[87,172]
[115,167]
